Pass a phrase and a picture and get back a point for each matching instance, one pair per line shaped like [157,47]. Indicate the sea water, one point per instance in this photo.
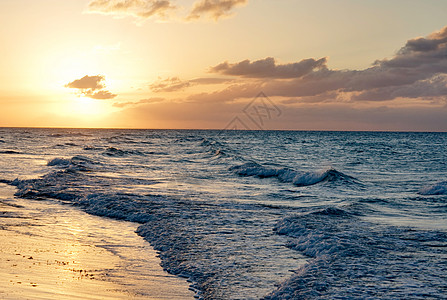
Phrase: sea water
[258,214]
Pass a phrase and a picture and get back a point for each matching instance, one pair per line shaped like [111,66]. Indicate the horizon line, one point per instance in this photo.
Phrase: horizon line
[219,129]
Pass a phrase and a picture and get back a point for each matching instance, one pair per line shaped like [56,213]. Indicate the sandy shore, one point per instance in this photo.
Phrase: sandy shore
[54,251]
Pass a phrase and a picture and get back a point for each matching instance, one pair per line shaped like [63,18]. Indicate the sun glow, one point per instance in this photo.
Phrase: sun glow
[85,106]
[85,112]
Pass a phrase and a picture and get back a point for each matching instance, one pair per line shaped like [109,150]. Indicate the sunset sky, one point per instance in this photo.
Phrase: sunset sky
[322,64]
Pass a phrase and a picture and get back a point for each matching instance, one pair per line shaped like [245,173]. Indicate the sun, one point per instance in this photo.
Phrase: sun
[86,112]
[86,106]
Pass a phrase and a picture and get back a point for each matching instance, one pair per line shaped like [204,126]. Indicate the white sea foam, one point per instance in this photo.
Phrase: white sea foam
[216,228]
[298,178]
[359,259]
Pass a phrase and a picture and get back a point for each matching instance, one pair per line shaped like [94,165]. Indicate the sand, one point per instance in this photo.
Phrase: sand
[53,251]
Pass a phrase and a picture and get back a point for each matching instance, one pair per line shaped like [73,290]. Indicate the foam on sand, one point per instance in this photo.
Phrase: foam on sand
[53,251]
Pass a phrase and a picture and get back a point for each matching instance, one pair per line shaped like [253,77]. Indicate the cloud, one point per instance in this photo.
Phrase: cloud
[210,80]
[137,8]
[102,95]
[268,68]
[145,9]
[228,94]
[173,84]
[429,88]
[135,103]
[92,87]
[87,83]
[407,91]
[432,43]
[308,116]
[417,70]
[321,98]
[214,9]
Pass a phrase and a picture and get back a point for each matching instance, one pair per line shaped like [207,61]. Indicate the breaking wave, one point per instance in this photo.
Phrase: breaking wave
[298,178]
[228,235]
[343,249]
[76,163]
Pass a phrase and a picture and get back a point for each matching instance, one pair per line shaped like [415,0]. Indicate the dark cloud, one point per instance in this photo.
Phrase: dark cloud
[413,72]
[229,94]
[416,71]
[412,86]
[435,87]
[92,87]
[268,68]
[137,8]
[214,9]
[431,43]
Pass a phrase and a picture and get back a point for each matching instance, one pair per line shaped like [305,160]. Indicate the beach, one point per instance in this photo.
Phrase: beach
[53,251]
[92,213]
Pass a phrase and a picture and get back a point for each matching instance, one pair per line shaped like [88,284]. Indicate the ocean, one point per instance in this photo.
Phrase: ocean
[257,214]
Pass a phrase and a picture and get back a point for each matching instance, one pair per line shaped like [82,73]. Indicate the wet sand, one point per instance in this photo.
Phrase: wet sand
[54,251]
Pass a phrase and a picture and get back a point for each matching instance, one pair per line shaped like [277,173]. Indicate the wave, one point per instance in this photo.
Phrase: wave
[76,163]
[346,253]
[58,162]
[10,152]
[190,243]
[63,146]
[112,151]
[439,188]
[156,153]
[122,138]
[213,147]
[94,195]
[219,151]
[298,178]
[69,134]
[92,148]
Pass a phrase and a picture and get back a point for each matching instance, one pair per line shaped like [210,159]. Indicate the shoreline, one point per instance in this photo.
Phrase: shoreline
[54,251]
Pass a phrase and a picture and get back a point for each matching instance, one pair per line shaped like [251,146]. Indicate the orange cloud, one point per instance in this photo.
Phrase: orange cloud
[87,83]
[92,87]
[214,9]
[145,9]
[173,84]
[137,8]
